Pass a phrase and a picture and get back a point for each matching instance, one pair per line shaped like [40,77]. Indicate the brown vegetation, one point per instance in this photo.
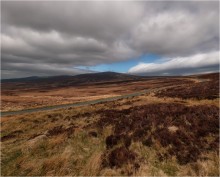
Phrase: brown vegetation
[207,88]
[18,96]
[141,136]
[150,124]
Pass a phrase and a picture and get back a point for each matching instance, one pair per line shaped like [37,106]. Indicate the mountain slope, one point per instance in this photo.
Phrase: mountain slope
[91,77]
[55,82]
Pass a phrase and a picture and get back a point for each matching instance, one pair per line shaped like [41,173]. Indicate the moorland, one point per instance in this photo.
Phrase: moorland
[172,130]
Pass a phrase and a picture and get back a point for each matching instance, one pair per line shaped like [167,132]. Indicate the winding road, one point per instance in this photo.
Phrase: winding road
[8,113]
[85,103]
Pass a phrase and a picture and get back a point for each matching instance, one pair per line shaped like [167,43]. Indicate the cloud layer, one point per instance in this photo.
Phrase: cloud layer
[185,65]
[53,38]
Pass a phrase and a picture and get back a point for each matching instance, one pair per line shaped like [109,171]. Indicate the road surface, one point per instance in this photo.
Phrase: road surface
[75,104]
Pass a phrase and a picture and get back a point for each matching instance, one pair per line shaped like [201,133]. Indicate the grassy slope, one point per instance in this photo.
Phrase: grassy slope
[35,144]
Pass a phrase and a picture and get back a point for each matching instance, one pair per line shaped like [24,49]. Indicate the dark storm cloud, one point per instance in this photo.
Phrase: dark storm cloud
[53,38]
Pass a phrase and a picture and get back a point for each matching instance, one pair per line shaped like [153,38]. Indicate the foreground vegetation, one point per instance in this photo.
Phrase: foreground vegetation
[143,136]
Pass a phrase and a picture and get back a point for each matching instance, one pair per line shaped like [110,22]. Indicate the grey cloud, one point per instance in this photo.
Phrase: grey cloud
[70,34]
[93,19]
[177,33]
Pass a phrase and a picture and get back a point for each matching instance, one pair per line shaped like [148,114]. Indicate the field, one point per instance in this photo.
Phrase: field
[173,131]
[25,95]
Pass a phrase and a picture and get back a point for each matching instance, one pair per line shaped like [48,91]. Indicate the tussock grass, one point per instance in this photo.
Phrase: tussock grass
[33,152]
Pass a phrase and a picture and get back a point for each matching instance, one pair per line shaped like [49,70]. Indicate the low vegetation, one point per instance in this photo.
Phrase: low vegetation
[148,135]
[25,95]
[206,88]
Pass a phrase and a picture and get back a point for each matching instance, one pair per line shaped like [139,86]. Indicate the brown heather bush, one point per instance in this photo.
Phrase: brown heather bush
[203,90]
[150,124]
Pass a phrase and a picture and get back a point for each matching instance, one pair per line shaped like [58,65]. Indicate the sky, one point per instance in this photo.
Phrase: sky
[47,38]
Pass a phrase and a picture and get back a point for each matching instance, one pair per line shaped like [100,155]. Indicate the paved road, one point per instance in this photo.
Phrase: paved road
[87,102]
[76,104]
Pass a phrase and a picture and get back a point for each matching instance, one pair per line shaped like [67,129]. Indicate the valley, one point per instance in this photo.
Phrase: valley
[161,132]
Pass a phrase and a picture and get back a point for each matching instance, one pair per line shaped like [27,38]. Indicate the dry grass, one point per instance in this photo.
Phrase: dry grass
[208,167]
[32,96]
[79,146]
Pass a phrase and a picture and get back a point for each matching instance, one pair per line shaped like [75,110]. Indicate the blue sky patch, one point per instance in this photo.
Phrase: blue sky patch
[123,66]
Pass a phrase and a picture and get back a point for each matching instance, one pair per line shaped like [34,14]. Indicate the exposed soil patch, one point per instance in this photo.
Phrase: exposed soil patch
[11,135]
[7,137]
[60,130]
[118,157]
[113,140]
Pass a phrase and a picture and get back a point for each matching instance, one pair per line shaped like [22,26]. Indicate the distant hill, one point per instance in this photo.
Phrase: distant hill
[32,79]
[105,77]
[19,79]
[76,80]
